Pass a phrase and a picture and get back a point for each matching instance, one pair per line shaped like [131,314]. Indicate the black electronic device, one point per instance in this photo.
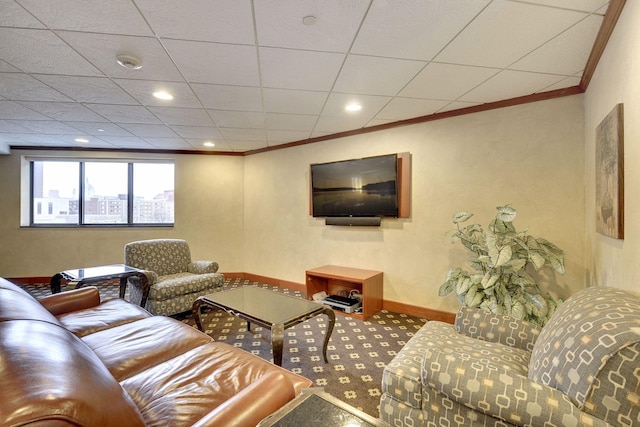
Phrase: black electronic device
[348,305]
[366,187]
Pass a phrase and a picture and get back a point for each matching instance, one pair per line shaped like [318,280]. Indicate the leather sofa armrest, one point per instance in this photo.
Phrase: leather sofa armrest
[499,392]
[203,267]
[250,406]
[484,325]
[73,300]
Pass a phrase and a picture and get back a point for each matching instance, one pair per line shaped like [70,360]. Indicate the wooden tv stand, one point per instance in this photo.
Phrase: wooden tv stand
[336,280]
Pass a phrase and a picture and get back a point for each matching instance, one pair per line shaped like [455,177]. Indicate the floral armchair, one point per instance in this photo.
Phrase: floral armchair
[581,368]
[173,280]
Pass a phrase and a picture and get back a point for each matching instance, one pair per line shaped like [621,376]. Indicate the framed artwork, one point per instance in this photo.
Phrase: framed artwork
[609,174]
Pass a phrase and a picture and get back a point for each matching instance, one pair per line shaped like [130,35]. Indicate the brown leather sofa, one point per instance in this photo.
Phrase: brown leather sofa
[71,360]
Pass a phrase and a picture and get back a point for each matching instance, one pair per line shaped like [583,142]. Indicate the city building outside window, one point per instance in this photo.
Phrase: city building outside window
[101,193]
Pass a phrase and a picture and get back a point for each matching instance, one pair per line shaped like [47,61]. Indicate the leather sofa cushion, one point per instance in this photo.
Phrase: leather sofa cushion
[110,313]
[17,304]
[133,347]
[50,376]
[183,390]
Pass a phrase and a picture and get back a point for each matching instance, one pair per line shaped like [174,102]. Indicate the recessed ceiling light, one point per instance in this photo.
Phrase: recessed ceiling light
[100,130]
[84,140]
[128,61]
[353,107]
[309,20]
[209,144]
[166,96]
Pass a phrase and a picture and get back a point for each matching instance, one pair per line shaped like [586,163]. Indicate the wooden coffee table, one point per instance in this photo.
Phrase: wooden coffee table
[269,309]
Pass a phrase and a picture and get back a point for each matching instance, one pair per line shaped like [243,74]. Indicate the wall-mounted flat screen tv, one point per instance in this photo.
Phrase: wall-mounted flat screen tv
[366,187]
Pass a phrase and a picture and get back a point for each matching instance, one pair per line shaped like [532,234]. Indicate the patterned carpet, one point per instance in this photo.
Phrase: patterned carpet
[358,351]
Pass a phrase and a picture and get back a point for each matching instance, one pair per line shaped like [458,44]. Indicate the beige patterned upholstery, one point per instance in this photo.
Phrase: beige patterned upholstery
[174,280]
[582,368]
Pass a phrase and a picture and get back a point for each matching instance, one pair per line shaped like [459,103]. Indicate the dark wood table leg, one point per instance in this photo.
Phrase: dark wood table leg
[144,282]
[55,283]
[277,336]
[123,286]
[332,321]
[195,310]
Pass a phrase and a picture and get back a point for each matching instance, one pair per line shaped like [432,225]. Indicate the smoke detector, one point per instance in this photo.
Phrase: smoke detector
[129,62]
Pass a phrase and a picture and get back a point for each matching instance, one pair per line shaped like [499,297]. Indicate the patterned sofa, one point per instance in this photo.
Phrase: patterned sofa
[173,280]
[581,369]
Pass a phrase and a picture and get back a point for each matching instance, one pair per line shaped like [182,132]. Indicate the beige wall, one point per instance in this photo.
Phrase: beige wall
[208,214]
[609,261]
[530,155]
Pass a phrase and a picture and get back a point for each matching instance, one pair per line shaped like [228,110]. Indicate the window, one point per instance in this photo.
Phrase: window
[101,193]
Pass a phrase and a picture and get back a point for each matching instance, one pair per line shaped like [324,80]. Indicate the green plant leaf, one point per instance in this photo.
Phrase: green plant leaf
[459,217]
[518,310]
[506,213]
[537,259]
[463,285]
[474,297]
[500,256]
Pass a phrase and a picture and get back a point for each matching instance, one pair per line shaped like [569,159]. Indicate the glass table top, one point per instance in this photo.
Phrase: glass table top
[98,272]
[263,304]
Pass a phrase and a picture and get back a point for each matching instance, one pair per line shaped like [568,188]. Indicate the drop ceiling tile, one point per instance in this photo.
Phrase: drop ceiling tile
[11,126]
[22,87]
[376,76]
[581,5]
[93,90]
[200,132]
[564,83]
[216,63]
[64,111]
[333,124]
[220,21]
[299,122]
[446,81]
[510,84]
[102,49]
[14,15]
[299,69]
[49,127]
[371,105]
[219,97]
[143,90]
[99,129]
[149,131]
[239,134]
[336,24]
[405,108]
[240,146]
[567,46]
[41,51]
[182,116]
[197,144]
[506,31]
[127,142]
[168,143]
[286,135]
[417,29]
[6,68]
[38,139]
[124,113]
[231,119]
[293,101]
[13,110]
[114,16]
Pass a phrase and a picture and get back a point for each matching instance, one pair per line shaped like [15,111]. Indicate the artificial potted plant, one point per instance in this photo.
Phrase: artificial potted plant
[503,260]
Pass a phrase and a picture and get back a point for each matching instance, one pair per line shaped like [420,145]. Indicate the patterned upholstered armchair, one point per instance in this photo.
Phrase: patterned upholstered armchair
[174,281]
[581,369]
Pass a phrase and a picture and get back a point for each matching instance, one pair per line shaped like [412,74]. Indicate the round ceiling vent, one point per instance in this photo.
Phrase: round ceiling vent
[128,61]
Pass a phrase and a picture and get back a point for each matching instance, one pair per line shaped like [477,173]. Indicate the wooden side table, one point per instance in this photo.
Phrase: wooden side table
[315,408]
[335,280]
